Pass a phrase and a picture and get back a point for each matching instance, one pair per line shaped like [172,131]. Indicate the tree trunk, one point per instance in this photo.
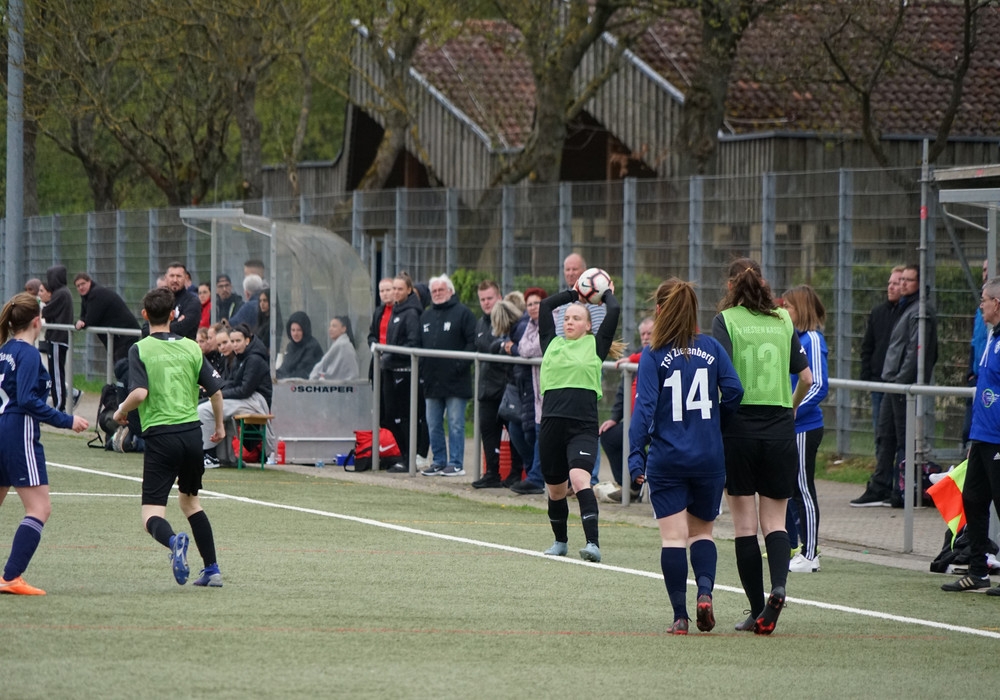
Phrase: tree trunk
[29,174]
[393,141]
[250,148]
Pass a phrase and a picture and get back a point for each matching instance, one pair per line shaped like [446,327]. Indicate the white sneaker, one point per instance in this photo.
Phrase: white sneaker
[799,564]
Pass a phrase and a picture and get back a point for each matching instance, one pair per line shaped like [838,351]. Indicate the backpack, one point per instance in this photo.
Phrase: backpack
[106,407]
[388,451]
[954,555]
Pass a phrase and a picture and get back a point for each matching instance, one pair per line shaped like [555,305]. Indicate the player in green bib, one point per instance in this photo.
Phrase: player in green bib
[165,373]
[759,441]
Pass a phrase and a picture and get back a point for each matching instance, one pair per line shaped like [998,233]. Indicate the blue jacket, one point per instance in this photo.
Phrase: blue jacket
[809,416]
[986,406]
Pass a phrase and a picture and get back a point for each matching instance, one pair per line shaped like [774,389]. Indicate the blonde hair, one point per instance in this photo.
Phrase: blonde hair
[810,314]
[503,317]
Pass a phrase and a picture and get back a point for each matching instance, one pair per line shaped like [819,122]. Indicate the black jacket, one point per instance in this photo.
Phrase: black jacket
[101,307]
[492,375]
[226,309]
[188,309]
[251,373]
[876,340]
[447,326]
[302,356]
[404,330]
[59,309]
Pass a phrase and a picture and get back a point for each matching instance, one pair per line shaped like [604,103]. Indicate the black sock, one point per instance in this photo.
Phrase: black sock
[751,569]
[778,555]
[160,529]
[588,514]
[558,515]
[201,530]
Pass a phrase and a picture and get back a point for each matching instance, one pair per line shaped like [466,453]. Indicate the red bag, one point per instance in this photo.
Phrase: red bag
[251,453]
[388,450]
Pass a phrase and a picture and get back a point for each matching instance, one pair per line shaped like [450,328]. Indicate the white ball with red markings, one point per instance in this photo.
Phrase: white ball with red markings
[592,285]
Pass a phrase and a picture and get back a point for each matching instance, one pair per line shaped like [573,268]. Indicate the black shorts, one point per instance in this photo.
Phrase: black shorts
[168,458]
[767,467]
[564,443]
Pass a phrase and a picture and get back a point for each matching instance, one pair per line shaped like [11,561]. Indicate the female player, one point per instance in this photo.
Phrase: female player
[808,316]
[570,382]
[759,439]
[24,386]
[685,379]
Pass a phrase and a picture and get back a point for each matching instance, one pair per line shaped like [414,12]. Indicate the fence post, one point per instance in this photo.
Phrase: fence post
[696,228]
[768,254]
[357,230]
[627,295]
[400,227]
[303,209]
[451,230]
[56,239]
[565,228]
[120,233]
[508,214]
[845,287]
[88,352]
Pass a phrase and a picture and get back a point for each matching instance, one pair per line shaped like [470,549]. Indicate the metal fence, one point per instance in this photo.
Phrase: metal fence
[840,231]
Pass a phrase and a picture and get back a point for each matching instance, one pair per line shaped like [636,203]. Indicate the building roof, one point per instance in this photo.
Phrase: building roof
[481,73]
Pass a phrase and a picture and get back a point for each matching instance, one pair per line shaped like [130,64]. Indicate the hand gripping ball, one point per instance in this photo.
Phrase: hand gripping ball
[592,285]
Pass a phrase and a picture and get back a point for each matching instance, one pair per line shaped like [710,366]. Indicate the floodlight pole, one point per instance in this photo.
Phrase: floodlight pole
[13,251]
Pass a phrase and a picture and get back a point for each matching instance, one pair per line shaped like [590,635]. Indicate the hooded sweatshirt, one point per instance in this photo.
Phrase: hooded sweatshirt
[251,373]
[302,356]
[60,306]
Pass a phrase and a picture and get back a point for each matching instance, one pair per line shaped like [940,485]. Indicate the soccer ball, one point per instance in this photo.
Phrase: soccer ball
[592,284]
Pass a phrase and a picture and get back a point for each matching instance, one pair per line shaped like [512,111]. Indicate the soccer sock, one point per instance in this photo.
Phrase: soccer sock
[748,563]
[778,556]
[704,559]
[588,514]
[160,529]
[26,539]
[673,563]
[201,530]
[558,515]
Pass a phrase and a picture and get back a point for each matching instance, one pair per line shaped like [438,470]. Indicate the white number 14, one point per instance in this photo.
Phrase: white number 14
[698,397]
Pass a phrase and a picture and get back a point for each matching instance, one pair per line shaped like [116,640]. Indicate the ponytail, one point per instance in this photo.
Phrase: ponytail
[17,315]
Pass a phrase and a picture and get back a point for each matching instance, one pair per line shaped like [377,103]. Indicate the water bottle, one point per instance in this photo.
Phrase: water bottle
[320,464]
[281,451]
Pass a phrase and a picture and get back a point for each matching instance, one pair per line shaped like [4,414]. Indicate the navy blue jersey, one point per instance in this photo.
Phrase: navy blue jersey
[677,409]
[24,387]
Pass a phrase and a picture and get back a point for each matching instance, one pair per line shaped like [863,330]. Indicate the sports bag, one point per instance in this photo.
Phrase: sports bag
[388,450]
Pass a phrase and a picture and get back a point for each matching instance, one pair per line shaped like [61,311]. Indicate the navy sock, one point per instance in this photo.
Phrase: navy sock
[558,515]
[588,514]
[201,530]
[26,539]
[160,529]
[704,560]
[778,555]
[751,569]
[674,564]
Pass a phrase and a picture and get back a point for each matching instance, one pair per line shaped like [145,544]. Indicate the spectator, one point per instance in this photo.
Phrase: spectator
[205,299]
[303,352]
[262,326]
[531,397]
[32,285]
[506,326]
[982,475]
[377,331]
[808,316]
[612,431]
[247,391]
[447,325]
[976,347]
[226,303]
[227,356]
[187,308]
[900,367]
[404,331]
[190,285]
[340,363]
[58,309]
[209,347]
[255,266]
[876,340]
[521,427]
[247,313]
[571,388]
[686,464]
[492,381]
[102,308]
[759,440]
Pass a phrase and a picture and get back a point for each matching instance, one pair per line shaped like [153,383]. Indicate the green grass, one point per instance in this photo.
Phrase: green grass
[319,606]
[846,469]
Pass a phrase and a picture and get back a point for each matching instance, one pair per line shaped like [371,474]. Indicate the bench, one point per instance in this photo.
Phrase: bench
[252,425]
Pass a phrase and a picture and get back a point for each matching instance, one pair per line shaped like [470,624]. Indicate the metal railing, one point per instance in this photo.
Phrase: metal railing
[109,370]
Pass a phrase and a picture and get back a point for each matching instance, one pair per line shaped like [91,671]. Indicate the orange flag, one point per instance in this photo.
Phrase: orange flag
[947,495]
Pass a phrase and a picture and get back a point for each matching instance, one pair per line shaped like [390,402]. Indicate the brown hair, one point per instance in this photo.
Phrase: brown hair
[17,314]
[676,321]
[488,284]
[748,289]
[405,276]
[810,314]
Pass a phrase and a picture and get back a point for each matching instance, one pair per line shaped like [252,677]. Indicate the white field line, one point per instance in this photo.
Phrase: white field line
[561,560]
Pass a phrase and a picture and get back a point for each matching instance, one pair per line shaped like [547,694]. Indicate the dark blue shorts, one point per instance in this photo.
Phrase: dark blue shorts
[22,459]
[699,495]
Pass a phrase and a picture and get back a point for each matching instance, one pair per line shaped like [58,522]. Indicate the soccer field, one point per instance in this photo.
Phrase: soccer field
[338,589]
